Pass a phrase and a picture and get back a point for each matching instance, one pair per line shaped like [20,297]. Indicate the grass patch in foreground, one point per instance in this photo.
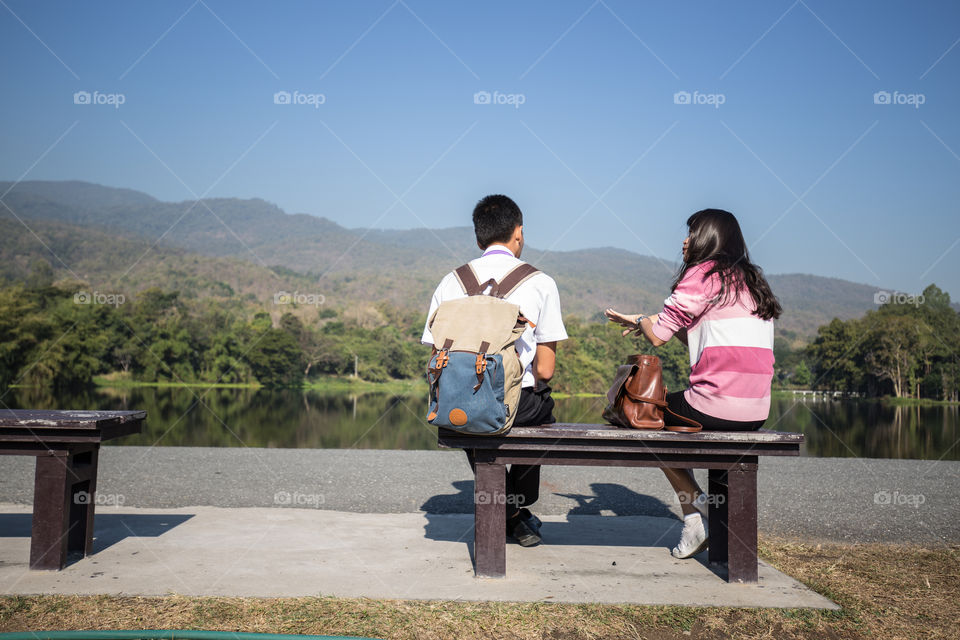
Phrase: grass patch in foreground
[886,591]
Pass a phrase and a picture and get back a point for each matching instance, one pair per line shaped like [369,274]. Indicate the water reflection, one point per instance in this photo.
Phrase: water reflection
[199,417]
[259,418]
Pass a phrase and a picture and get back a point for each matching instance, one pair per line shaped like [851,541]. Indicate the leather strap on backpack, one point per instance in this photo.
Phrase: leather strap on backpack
[520,274]
[467,278]
[472,286]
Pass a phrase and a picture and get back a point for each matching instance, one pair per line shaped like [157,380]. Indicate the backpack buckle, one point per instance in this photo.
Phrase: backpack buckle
[481,364]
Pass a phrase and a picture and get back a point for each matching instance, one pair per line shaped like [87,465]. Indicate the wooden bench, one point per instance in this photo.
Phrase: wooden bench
[66,444]
[731,458]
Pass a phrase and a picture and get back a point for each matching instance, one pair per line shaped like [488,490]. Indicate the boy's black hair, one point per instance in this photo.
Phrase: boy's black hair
[494,219]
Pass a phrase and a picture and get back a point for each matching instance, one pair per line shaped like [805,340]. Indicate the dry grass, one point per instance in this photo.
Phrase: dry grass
[886,591]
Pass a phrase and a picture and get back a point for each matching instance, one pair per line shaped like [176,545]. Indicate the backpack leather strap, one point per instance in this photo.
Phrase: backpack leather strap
[467,278]
[481,364]
[520,274]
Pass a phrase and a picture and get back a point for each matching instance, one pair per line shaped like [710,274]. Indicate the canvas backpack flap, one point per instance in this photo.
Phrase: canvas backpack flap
[471,321]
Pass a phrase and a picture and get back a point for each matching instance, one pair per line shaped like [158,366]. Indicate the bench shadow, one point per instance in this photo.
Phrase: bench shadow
[660,528]
[108,528]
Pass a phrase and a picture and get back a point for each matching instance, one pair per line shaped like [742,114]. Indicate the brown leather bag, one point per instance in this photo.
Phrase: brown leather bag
[637,398]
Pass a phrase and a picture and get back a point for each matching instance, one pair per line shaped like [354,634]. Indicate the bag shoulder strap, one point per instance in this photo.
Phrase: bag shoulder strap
[692,426]
[467,278]
[512,281]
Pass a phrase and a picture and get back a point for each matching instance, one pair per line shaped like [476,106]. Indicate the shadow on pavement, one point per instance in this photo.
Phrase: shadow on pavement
[108,528]
[604,530]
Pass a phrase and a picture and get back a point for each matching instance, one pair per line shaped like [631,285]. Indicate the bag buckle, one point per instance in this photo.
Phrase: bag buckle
[481,363]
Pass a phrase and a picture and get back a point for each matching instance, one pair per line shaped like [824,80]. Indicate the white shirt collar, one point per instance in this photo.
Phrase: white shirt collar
[498,249]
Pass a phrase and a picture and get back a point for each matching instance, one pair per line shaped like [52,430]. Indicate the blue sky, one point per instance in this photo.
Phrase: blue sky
[602,151]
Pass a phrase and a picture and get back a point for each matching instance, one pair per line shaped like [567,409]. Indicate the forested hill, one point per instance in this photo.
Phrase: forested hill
[251,249]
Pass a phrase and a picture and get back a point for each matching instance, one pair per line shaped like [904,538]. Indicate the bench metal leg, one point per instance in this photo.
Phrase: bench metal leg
[63,507]
[717,515]
[490,520]
[742,529]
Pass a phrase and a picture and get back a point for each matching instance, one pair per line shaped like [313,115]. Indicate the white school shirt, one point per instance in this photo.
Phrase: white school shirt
[538,299]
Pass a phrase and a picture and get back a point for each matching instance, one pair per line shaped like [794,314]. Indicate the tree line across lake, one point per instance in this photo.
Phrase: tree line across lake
[62,336]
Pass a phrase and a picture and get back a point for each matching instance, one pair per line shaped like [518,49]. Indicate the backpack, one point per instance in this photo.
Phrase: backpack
[475,373]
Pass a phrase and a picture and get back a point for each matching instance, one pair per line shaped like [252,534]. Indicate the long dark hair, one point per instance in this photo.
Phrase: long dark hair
[714,234]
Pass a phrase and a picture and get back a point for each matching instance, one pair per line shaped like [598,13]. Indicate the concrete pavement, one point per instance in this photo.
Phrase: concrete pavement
[823,499]
[274,552]
[397,524]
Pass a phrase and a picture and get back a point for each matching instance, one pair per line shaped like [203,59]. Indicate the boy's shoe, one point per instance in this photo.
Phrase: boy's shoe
[524,534]
[693,539]
[532,521]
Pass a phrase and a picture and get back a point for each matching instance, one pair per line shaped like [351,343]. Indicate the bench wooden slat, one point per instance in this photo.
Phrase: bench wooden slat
[35,419]
[600,431]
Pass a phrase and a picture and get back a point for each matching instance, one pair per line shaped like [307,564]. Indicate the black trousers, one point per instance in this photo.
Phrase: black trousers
[678,404]
[523,480]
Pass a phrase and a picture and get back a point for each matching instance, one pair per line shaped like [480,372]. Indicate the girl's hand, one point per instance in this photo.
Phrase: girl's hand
[630,321]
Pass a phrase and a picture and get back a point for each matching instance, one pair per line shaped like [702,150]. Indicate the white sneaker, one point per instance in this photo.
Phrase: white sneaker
[693,538]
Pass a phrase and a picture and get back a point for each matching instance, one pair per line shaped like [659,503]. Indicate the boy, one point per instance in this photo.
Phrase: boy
[498,225]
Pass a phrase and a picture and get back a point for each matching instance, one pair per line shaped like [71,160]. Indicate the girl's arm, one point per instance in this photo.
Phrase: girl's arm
[637,323]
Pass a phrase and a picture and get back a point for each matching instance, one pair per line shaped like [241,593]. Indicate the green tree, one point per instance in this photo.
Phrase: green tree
[802,376]
[891,352]
[273,355]
[836,354]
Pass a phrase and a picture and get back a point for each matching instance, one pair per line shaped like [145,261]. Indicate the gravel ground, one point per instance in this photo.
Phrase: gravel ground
[830,499]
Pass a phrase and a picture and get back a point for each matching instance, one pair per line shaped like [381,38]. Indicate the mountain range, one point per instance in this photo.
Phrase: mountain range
[124,240]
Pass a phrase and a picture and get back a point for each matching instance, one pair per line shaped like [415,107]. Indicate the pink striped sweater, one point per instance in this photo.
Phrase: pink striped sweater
[731,350]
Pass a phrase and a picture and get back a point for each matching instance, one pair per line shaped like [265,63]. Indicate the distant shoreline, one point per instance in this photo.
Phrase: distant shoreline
[331,383]
[335,384]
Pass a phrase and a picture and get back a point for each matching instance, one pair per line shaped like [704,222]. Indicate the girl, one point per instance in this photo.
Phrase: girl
[722,308]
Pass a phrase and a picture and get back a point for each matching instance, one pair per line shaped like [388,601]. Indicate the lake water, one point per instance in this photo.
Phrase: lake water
[202,417]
